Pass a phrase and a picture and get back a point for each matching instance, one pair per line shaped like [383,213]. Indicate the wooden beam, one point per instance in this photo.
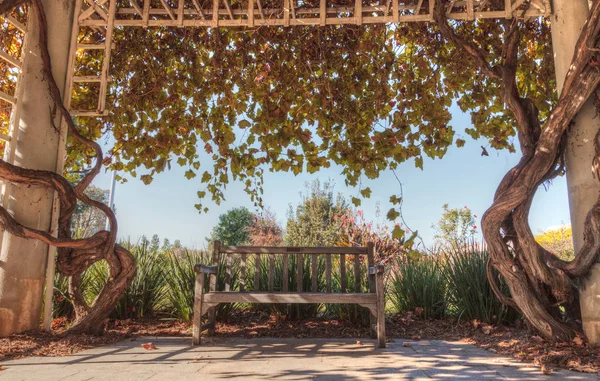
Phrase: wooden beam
[168,9]
[16,23]
[198,8]
[90,9]
[146,15]
[8,98]
[215,14]
[10,59]
[228,8]
[137,8]
[286,12]
[250,13]
[396,11]
[107,54]
[260,9]
[323,12]
[470,10]
[358,12]
[180,9]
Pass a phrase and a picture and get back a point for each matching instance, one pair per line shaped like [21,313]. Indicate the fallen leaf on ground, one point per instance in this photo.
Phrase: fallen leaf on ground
[2,367]
[149,346]
[546,370]
[406,344]
[578,340]
[417,338]
[358,342]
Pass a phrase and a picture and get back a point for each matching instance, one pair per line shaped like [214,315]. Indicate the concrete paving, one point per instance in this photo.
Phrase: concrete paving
[281,359]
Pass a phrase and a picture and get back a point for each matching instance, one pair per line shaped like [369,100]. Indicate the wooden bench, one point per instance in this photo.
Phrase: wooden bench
[373,299]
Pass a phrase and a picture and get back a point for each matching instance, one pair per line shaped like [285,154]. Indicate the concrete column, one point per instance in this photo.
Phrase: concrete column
[584,189]
[23,262]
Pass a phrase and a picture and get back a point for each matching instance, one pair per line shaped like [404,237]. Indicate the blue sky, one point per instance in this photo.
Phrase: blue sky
[462,178]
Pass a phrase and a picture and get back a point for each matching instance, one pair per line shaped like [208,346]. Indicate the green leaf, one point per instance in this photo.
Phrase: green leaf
[392,214]
[366,192]
[244,123]
[189,174]
[397,233]
[460,142]
[356,201]
[146,179]
[395,199]
[419,162]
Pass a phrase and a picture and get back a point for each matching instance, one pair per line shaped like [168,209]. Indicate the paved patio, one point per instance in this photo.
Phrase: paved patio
[286,359]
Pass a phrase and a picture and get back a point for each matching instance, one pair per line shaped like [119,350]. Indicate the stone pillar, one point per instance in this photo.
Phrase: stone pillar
[23,262]
[584,189]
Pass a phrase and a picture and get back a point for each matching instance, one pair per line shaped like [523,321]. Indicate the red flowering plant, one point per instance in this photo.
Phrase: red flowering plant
[265,230]
[355,230]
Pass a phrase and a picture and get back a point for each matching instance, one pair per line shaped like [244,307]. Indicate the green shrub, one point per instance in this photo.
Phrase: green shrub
[419,285]
[62,302]
[147,292]
[181,280]
[470,294]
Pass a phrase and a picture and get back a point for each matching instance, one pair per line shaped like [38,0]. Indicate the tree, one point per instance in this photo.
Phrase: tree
[87,220]
[456,227]
[233,228]
[265,230]
[366,98]
[558,241]
[314,222]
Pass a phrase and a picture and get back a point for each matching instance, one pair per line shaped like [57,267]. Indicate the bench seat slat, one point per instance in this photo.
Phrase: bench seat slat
[289,297]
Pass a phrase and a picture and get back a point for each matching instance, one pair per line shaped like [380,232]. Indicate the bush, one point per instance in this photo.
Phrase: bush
[470,294]
[419,285]
[181,281]
[147,292]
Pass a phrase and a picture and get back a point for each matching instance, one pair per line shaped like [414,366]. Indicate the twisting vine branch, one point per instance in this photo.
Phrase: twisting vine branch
[537,280]
[74,255]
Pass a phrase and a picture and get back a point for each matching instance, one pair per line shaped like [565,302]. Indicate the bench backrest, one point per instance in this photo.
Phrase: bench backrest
[357,255]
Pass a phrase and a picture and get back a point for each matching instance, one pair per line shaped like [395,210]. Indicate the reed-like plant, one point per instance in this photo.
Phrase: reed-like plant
[419,285]
[147,292]
[469,291]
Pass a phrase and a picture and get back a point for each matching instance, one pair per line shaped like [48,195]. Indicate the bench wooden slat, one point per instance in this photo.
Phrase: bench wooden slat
[291,250]
[314,275]
[213,284]
[357,281]
[300,272]
[372,289]
[286,273]
[328,272]
[271,271]
[243,272]
[289,297]
[228,273]
[343,272]
[257,272]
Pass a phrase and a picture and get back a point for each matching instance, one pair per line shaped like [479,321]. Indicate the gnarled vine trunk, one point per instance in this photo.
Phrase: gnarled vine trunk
[75,256]
[539,282]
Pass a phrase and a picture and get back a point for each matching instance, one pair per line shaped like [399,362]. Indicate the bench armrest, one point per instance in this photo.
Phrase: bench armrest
[377,269]
[205,269]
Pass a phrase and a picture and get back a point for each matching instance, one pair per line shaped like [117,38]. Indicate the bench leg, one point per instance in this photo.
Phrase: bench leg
[197,319]
[380,310]
[211,319]
[373,324]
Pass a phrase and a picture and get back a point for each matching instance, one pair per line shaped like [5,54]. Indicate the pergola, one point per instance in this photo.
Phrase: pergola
[103,17]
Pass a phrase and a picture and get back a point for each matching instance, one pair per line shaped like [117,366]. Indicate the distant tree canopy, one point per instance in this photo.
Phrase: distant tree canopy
[314,220]
[456,227]
[558,241]
[233,228]
[88,220]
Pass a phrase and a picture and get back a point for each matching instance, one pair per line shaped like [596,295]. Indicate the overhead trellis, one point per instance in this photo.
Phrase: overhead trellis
[101,17]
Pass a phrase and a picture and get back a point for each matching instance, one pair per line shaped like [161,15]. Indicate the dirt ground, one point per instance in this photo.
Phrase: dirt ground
[515,341]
